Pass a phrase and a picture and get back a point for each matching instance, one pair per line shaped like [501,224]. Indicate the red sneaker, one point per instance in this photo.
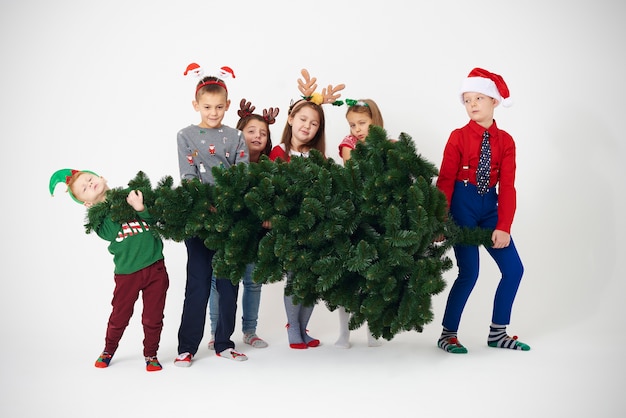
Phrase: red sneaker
[104,360]
[183,360]
[152,364]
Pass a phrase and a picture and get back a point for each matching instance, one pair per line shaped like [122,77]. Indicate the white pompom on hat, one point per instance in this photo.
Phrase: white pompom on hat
[490,84]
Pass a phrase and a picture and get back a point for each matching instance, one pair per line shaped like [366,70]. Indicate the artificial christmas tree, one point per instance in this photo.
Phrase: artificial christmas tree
[363,236]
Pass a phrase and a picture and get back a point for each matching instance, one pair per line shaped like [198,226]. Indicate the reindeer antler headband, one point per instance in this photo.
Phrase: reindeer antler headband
[246,109]
[328,95]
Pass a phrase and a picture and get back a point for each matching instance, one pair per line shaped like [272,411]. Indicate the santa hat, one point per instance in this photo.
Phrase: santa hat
[226,72]
[487,83]
[193,68]
[64,175]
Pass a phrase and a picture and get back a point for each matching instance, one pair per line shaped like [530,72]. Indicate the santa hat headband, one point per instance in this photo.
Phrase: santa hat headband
[216,82]
[487,83]
[197,71]
[65,175]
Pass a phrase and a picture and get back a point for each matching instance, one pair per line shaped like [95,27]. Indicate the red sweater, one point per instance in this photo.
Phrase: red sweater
[279,152]
[463,149]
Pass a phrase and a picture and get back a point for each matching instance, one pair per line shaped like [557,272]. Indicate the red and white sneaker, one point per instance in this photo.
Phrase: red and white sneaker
[232,355]
[183,360]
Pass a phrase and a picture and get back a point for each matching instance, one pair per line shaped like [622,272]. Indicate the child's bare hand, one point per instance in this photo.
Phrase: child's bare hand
[135,200]
[500,239]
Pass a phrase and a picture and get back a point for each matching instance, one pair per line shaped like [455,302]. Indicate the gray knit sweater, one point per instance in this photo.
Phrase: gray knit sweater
[201,149]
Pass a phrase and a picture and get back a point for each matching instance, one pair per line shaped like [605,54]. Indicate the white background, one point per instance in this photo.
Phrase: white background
[100,86]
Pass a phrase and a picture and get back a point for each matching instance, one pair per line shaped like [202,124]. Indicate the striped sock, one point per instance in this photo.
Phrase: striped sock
[500,339]
[450,343]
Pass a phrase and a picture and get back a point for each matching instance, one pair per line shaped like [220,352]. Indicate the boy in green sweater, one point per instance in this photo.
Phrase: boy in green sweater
[139,264]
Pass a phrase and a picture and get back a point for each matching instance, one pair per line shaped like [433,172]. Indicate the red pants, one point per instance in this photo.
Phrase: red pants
[153,283]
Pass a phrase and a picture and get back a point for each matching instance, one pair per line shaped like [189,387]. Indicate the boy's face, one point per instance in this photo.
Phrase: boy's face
[479,107]
[212,107]
[89,188]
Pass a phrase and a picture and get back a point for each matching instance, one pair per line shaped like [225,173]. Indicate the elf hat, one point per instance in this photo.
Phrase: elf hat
[485,82]
[64,175]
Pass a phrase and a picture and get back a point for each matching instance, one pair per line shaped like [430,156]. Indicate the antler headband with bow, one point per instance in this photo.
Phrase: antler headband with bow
[328,95]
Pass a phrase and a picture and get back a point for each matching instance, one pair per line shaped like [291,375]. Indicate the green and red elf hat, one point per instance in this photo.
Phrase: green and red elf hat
[64,175]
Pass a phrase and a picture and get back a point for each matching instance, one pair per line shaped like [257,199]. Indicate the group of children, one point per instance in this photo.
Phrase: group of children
[477,158]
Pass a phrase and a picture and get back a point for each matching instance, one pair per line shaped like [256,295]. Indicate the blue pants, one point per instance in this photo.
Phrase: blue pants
[250,303]
[197,292]
[470,209]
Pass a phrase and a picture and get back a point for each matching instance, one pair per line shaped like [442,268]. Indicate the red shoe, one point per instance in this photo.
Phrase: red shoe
[313,343]
[299,346]
[152,364]
[104,360]
[183,359]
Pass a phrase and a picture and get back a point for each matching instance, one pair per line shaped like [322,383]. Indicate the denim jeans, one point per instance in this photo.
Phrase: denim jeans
[250,301]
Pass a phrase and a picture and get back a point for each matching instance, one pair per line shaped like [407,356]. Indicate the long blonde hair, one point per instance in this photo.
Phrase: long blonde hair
[369,107]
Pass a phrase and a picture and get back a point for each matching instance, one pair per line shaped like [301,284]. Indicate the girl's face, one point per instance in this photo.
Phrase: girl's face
[304,126]
[255,134]
[479,108]
[212,108]
[359,124]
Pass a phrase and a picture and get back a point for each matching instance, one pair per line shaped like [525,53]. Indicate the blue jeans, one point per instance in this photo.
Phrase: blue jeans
[470,209]
[250,301]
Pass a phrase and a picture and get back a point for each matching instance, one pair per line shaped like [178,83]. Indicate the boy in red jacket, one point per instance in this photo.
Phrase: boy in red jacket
[477,157]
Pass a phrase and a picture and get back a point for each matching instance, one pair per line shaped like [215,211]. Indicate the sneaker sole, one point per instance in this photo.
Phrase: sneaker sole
[182,363]
[241,357]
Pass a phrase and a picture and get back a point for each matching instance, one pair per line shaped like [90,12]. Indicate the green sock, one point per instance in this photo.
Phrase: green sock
[450,343]
[500,339]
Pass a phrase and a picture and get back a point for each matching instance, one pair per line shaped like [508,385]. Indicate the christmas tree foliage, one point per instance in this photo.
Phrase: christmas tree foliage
[361,236]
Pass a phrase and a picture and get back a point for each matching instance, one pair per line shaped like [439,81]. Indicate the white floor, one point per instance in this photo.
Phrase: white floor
[99,85]
[573,370]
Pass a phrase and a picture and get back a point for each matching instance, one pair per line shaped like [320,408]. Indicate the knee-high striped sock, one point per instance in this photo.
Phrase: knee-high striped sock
[450,343]
[500,339]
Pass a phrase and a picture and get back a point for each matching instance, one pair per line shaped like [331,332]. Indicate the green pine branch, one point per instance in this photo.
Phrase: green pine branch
[361,236]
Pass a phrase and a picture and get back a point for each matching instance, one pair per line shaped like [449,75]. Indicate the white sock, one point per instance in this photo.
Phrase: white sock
[344,332]
[371,340]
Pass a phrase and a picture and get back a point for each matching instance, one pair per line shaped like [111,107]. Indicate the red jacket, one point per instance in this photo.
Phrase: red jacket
[460,160]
